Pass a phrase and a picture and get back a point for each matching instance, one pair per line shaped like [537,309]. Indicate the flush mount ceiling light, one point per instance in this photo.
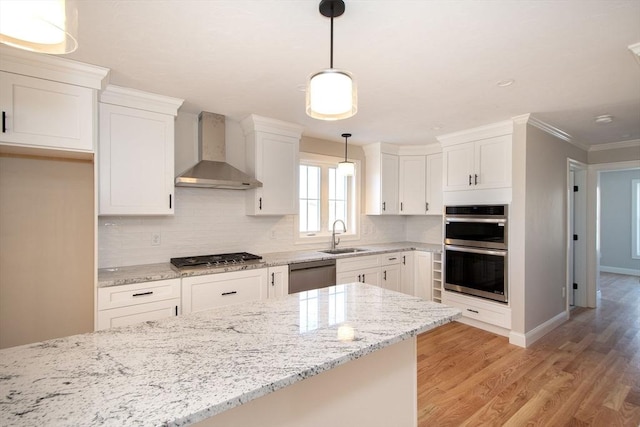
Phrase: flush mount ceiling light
[45,26]
[331,93]
[346,168]
[603,119]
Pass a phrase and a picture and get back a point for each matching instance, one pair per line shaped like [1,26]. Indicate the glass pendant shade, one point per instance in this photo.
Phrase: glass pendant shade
[346,168]
[331,95]
[45,26]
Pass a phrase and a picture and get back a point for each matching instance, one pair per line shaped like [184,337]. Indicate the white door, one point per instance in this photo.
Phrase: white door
[413,185]
[458,167]
[136,161]
[434,184]
[389,184]
[493,162]
[278,171]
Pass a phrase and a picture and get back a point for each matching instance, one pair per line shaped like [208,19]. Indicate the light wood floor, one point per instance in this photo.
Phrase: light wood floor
[584,373]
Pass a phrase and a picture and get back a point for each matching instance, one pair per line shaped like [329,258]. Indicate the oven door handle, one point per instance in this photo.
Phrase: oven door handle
[475,250]
[477,220]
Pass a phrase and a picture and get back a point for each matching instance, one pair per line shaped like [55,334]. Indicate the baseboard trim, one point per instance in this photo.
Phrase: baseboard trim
[618,270]
[525,340]
[484,326]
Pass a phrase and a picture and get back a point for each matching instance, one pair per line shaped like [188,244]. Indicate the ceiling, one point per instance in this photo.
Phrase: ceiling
[423,68]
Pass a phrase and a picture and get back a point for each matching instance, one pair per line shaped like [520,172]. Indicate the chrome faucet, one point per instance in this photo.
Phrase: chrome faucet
[334,243]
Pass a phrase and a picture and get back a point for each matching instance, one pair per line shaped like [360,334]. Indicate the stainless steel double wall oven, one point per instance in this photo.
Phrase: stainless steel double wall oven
[476,256]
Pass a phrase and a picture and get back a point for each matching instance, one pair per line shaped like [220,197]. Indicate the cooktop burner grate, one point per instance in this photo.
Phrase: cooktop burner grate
[215,260]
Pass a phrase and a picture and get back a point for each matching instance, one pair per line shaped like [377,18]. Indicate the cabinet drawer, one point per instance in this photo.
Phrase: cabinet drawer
[130,315]
[391,259]
[217,290]
[357,263]
[474,308]
[138,293]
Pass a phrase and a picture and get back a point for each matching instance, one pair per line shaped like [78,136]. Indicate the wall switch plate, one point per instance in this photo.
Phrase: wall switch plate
[156,239]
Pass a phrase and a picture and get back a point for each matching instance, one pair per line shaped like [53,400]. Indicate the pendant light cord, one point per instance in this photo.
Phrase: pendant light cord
[331,49]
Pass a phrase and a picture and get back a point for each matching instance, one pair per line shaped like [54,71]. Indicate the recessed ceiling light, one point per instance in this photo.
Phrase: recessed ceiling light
[603,119]
[505,83]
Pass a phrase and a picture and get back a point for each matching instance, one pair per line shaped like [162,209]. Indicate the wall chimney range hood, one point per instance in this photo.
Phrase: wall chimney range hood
[212,171]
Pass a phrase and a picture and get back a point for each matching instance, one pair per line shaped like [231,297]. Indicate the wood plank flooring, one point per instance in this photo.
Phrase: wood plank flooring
[584,373]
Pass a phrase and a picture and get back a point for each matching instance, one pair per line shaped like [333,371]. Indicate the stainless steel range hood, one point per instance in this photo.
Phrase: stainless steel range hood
[212,171]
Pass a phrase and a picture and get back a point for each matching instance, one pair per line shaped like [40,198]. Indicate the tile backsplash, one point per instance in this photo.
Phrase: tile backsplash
[213,221]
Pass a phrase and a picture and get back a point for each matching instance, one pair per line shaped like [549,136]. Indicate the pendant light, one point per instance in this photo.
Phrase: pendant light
[45,26]
[331,93]
[346,168]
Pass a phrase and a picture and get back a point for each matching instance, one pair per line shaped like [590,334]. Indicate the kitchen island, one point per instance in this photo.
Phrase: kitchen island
[343,355]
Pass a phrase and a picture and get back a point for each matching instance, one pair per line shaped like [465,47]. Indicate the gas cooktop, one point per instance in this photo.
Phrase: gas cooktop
[216,260]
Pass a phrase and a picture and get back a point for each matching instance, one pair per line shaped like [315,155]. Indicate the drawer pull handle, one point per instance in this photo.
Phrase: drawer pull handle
[473,311]
[141,294]
[393,259]
[229,293]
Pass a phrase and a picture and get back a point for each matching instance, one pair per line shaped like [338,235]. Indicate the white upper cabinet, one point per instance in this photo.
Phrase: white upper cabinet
[48,102]
[401,180]
[136,150]
[272,149]
[382,177]
[413,185]
[478,159]
[434,184]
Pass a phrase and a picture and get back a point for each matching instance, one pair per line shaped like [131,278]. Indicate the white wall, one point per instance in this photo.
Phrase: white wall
[615,220]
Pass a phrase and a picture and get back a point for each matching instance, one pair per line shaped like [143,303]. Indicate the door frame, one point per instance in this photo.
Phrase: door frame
[593,223]
[576,223]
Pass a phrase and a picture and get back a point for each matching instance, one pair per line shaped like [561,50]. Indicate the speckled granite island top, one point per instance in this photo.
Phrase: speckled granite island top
[184,369]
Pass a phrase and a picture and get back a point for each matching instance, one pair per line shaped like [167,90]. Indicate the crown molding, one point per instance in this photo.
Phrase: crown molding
[138,99]
[477,133]
[615,145]
[255,123]
[53,68]
[550,129]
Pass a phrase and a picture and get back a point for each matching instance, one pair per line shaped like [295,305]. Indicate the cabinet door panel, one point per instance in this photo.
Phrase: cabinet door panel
[278,172]
[217,290]
[412,185]
[493,162]
[434,184]
[42,113]
[389,184]
[407,273]
[278,281]
[390,275]
[458,166]
[136,161]
[130,315]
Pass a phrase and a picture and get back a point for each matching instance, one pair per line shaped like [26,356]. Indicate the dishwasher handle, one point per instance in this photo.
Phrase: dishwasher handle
[312,264]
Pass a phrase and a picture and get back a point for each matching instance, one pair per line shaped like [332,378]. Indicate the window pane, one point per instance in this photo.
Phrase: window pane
[303,182]
[341,188]
[332,183]
[314,182]
[314,216]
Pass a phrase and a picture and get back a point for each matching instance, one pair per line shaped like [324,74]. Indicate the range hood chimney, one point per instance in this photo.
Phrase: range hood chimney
[212,171]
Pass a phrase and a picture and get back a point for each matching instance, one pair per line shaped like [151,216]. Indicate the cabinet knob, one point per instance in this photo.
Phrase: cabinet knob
[401,207]
[384,275]
[359,277]
[273,279]
[427,206]
[476,179]
[384,206]
[4,122]
[260,202]
[469,179]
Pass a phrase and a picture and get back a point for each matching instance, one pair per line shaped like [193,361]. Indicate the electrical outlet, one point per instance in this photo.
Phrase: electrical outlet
[155,239]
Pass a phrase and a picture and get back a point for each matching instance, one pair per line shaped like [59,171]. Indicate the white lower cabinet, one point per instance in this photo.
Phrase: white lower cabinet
[363,269]
[278,281]
[423,280]
[407,273]
[391,271]
[201,293]
[479,309]
[139,302]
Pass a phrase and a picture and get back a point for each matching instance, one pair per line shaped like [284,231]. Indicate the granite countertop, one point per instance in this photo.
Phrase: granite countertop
[150,272]
[184,369]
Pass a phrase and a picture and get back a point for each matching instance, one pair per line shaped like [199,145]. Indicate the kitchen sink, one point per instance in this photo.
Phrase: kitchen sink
[343,251]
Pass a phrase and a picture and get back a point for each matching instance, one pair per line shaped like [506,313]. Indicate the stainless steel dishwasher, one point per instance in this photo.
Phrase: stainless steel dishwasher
[305,276]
